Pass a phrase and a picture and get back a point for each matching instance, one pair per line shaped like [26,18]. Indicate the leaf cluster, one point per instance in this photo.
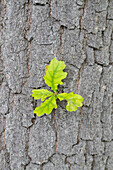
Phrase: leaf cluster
[54,76]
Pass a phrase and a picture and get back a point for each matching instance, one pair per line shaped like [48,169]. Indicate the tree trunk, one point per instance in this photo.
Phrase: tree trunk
[32,33]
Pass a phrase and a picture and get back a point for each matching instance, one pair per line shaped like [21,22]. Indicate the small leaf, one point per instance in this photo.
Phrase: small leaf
[46,107]
[54,74]
[74,100]
[41,94]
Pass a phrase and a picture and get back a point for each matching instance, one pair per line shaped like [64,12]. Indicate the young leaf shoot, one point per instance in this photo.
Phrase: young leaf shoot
[54,76]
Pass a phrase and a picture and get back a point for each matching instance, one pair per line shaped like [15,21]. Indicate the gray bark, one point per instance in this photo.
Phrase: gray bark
[80,32]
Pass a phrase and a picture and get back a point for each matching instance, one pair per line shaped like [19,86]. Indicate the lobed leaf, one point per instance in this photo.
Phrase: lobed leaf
[54,74]
[41,94]
[74,100]
[46,107]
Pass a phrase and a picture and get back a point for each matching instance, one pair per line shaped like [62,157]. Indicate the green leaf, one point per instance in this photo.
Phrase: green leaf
[54,74]
[46,107]
[41,94]
[74,100]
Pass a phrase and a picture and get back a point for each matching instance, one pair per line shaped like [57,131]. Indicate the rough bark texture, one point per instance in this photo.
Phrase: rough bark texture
[80,32]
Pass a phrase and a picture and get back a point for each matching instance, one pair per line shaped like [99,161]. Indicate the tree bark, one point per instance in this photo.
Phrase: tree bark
[32,33]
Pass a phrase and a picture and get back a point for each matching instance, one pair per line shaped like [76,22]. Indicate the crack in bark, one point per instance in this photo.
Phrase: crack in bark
[67,162]
[103,37]
[2,15]
[2,135]
[79,128]
[100,80]
[78,80]
[7,159]
[39,4]
[4,132]
[110,48]
[27,149]
[80,20]
[4,7]
[85,153]
[107,11]
[56,131]
[106,163]
[95,62]
[29,48]
[26,32]
[92,165]
[50,8]
[61,48]
[29,43]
